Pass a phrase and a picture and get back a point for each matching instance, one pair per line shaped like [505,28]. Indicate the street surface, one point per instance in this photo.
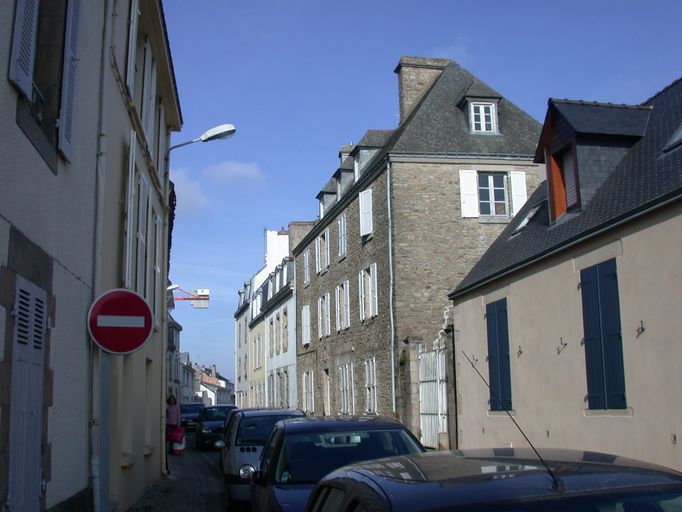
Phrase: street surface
[195,483]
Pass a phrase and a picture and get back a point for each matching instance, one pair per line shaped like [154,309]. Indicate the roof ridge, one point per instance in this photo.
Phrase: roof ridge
[599,104]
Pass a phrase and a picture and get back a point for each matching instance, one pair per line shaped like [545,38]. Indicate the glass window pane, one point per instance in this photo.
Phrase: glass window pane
[484,208]
[499,194]
[484,194]
[498,181]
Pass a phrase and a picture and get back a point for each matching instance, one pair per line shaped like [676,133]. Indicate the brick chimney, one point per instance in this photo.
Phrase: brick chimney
[345,151]
[415,76]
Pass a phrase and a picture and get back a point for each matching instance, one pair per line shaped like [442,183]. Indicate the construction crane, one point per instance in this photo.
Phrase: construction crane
[198,299]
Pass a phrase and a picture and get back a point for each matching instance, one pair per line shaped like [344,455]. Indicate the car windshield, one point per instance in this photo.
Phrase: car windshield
[190,408]
[215,414]
[305,458]
[255,430]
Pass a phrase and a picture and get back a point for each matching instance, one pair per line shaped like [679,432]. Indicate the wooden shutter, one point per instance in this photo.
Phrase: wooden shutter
[361,294]
[338,309]
[374,305]
[570,181]
[130,211]
[132,46]
[328,316]
[602,337]
[70,65]
[318,266]
[366,224]
[468,191]
[518,187]
[22,57]
[498,356]
[346,305]
[319,317]
[327,243]
[162,135]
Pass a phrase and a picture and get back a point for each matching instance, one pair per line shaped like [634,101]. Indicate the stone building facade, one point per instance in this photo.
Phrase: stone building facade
[404,217]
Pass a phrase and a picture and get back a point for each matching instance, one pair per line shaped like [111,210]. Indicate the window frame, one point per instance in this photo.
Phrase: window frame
[476,109]
[491,188]
[365,205]
[370,386]
[341,224]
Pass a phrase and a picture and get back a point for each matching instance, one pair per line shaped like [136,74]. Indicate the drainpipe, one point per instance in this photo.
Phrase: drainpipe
[390,273]
[450,329]
[99,427]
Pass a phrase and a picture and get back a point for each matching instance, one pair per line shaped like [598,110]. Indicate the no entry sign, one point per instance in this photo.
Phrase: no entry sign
[120,321]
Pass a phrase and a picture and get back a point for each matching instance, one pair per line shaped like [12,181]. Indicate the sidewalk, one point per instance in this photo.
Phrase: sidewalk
[181,490]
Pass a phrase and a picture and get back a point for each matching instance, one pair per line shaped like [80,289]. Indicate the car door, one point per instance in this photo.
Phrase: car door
[230,431]
[262,497]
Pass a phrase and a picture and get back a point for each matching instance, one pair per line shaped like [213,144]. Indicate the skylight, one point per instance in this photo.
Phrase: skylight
[526,219]
[675,140]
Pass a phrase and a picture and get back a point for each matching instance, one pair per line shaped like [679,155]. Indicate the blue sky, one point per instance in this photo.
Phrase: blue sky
[301,78]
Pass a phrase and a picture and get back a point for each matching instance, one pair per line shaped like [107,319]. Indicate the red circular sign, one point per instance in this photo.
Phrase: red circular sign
[120,321]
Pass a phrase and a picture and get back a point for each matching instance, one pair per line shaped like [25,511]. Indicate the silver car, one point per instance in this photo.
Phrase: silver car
[245,435]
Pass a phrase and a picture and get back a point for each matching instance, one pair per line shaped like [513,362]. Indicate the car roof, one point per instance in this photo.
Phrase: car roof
[336,423]
[250,413]
[491,475]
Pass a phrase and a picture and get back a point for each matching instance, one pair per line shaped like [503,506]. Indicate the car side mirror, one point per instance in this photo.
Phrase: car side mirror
[219,445]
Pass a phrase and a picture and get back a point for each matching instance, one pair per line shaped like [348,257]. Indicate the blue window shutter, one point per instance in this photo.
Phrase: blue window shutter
[589,289]
[22,57]
[611,335]
[68,100]
[493,360]
[503,354]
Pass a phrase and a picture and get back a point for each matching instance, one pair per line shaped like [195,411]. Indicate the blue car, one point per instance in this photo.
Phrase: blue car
[500,480]
[301,451]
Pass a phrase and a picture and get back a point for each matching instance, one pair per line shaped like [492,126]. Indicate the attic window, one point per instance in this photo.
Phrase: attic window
[564,182]
[675,140]
[531,213]
[483,117]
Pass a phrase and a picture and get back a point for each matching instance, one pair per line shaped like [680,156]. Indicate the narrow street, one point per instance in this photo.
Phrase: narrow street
[195,483]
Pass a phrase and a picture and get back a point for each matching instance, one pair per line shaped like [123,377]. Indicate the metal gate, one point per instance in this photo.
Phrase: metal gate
[433,398]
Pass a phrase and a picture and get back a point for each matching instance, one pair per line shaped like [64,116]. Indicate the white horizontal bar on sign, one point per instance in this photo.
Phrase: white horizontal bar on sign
[120,321]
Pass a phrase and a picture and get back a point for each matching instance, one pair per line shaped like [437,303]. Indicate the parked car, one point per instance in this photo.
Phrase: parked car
[300,452]
[245,435]
[189,413]
[211,425]
[497,480]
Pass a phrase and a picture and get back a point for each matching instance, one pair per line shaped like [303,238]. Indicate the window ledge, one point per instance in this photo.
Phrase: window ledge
[366,238]
[494,219]
[606,413]
[342,257]
[148,450]
[499,414]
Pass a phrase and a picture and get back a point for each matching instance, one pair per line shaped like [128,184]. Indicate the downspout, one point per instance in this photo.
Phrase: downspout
[99,428]
[391,285]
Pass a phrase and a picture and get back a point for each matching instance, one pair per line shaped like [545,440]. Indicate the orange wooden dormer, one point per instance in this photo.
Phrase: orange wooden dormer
[580,144]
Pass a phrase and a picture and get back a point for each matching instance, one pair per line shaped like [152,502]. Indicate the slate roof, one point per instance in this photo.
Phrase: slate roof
[440,122]
[375,139]
[647,177]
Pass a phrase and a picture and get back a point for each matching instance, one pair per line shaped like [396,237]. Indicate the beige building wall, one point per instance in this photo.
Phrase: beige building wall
[548,361]
[256,397]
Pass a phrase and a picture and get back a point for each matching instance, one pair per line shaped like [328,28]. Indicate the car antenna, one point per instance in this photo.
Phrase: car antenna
[558,484]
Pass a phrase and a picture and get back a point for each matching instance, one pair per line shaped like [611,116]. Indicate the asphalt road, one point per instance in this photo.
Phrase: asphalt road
[195,483]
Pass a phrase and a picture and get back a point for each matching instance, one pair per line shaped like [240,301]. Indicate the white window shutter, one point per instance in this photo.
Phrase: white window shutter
[23,53]
[317,255]
[151,109]
[130,209]
[338,309]
[468,190]
[161,144]
[361,295]
[374,306]
[132,46]
[319,317]
[366,226]
[306,324]
[518,186]
[68,100]
[328,315]
[327,244]
[346,304]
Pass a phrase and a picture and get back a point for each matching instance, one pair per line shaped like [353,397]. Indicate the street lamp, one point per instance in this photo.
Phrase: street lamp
[220,132]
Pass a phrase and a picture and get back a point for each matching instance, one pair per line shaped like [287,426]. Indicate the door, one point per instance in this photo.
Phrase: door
[433,403]
[26,399]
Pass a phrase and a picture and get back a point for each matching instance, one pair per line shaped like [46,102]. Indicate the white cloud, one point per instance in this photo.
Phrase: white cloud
[231,172]
[190,195]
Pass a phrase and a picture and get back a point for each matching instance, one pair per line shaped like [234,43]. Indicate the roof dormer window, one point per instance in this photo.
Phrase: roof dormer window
[483,116]
[563,180]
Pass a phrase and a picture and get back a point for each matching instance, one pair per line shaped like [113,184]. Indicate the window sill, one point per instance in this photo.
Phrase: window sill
[498,414]
[494,219]
[35,135]
[342,257]
[606,413]
[366,238]
[148,450]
